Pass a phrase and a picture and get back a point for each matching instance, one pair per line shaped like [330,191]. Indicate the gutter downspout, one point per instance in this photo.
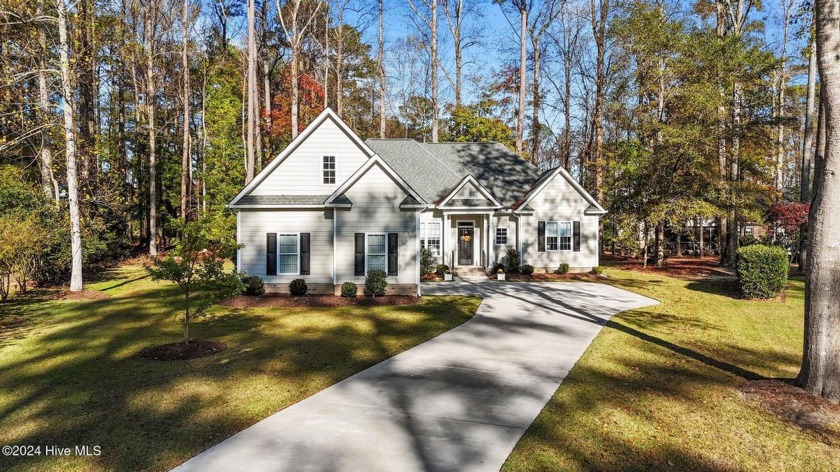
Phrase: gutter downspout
[335,224]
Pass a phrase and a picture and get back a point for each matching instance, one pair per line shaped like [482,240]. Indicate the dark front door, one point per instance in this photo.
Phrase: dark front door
[465,246]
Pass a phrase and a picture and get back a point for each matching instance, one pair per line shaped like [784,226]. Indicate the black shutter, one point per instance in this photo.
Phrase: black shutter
[360,254]
[541,236]
[304,253]
[393,264]
[576,236]
[271,254]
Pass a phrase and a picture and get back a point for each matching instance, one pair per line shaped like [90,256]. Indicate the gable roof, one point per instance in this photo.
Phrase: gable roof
[424,171]
[549,175]
[327,114]
[451,201]
[270,201]
[375,160]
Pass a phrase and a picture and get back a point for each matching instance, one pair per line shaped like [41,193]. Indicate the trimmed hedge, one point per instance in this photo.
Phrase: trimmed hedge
[298,287]
[349,289]
[762,271]
[375,282]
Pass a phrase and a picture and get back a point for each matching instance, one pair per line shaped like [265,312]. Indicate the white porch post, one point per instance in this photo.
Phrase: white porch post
[491,240]
[486,230]
[444,240]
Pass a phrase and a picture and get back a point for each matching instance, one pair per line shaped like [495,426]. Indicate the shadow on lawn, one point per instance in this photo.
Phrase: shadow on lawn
[80,384]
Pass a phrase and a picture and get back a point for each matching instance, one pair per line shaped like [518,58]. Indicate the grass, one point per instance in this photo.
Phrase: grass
[69,375]
[658,388]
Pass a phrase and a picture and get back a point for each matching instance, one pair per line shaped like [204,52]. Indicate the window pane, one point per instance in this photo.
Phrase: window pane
[377,262]
[288,263]
[501,236]
[566,243]
[551,228]
[565,228]
[288,244]
[376,244]
[551,243]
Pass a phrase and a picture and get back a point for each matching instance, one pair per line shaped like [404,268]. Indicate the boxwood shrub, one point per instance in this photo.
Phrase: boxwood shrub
[762,270]
[375,282]
[298,287]
[349,289]
[527,269]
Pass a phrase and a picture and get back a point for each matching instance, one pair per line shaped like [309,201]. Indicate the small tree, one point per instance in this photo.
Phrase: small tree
[197,265]
[427,261]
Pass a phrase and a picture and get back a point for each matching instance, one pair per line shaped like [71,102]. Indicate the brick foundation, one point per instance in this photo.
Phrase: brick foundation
[330,289]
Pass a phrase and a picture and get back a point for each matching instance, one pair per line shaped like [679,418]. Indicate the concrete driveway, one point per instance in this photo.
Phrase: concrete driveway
[458,402]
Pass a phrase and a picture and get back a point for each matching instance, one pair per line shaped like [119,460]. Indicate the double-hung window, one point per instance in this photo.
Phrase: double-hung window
[558,235]
[377,252]
[501,236]
[329,169]
[288,254]
[430,236]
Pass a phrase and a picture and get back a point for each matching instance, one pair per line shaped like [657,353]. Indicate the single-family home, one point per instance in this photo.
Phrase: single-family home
[332,206]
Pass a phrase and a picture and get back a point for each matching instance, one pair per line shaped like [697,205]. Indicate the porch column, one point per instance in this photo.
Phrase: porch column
[485,261]
[491,240]
[444,240]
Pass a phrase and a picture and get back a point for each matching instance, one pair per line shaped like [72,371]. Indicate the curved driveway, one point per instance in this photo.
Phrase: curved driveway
[458,402]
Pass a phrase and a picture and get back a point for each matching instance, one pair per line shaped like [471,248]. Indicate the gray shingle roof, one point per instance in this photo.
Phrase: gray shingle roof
[433,170]
[468,202]
[282,200]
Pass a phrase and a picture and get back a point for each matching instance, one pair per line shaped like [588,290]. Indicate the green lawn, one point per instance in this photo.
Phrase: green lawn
[68,375]
[658,388]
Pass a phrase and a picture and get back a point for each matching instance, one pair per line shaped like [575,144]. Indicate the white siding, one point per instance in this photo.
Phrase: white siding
[559,201]
[254,224]
[504,221]
[376,199]
[301,173]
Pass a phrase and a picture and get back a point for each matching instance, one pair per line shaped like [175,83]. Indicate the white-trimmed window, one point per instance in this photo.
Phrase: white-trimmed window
[501,236]
[329,169]
[558,235]
[430,236]
[288,254]
[376,256]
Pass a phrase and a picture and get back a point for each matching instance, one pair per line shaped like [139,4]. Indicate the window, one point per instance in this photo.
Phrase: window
[288,253]
[558,236]
[748,231]
[329,169]
[501,236]
[377,252]
[430,236]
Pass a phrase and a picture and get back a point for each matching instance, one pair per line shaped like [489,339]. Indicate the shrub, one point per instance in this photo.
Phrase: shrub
[349,289]
[598,270]
[375,282]
[427,261]
[441,269]
[497,267]
[527,269]
[298,287]
[762,270]
[253,285]
[512,261]
[562,269]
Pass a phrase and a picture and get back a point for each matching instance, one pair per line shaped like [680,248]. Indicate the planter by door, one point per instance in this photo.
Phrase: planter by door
[465,246]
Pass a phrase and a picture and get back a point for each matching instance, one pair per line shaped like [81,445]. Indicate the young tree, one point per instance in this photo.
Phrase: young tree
[820,374]
[196,265]
[67,89]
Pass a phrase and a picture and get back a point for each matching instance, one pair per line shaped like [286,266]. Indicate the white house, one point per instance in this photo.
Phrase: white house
[331,206]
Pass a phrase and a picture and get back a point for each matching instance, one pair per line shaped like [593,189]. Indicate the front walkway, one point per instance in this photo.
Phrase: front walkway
[459,402]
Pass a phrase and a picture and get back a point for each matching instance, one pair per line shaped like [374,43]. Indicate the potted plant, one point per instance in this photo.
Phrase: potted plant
[500,274]
[447,275]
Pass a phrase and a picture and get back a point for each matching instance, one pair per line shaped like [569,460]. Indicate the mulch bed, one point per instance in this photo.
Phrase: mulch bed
[431,278]
[81,295]
[180,351]
[792,404]
[683,267]
[540,277]
[284,300]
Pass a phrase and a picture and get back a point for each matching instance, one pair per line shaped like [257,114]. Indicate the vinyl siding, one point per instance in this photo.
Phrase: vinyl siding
[254,224]
[504,221]
[376,198]
[559,201]
[302,171]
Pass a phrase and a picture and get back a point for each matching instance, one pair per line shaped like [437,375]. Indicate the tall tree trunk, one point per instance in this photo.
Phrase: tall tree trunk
[523,78]
[185,65]
[701,220]
[780,127]
[660,244]
[380,64]
[820,374]
[810,111]
[67,90]
[339,69]
[567,111]
[600,15]
[435,65]
[151,112]
[250,159]
[734,172]
[84,63]
[295,91]
[535,122]
[49,184]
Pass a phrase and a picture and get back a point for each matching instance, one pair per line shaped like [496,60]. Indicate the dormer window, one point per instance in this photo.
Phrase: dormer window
[329,169]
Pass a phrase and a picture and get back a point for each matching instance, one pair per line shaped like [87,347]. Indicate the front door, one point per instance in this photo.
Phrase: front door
[465,246]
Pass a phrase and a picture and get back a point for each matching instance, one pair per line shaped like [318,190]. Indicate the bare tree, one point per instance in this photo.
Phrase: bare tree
[820,374]
[150,17]
[48,180]
[185,78]
[380,65]
[429,18]
[68,89]
[539,24]
[294,27]
[600,10]
[252,95]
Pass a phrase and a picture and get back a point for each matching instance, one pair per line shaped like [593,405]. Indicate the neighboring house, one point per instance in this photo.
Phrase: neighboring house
[331,207]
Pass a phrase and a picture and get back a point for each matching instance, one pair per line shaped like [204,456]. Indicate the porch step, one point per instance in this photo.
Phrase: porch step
[469,271]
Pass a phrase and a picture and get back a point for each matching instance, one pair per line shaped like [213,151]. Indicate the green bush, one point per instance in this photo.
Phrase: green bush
[598,270]
[527,269]
[349,289]
[253,285]
[375,282]
[762,270]
[562,269]
[298,287]
[441,269]
[512,261]
[497,267]
[427,261]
